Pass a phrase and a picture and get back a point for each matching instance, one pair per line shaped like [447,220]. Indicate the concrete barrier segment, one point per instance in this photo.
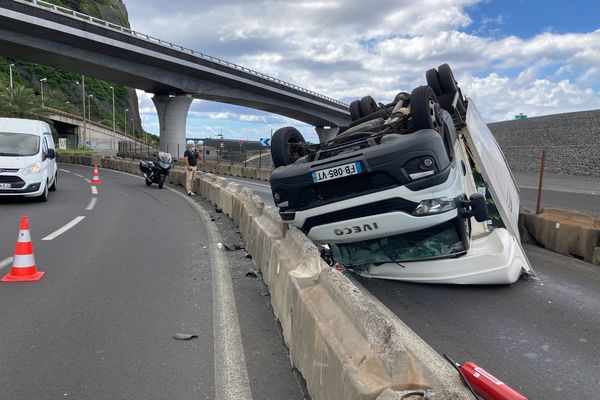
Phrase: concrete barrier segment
[565,232]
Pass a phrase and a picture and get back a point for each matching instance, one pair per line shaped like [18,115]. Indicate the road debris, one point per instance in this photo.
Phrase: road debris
[184,336]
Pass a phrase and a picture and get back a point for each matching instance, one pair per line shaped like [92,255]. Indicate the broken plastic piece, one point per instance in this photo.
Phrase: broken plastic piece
[184,336]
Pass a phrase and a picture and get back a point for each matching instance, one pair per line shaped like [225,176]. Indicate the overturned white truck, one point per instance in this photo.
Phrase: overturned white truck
[415,190]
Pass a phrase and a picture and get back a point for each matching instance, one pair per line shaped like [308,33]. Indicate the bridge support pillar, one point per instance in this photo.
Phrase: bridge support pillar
[172,116]
[326,134]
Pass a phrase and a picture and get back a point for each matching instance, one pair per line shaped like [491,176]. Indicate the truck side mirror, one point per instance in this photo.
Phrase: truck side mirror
[479,208]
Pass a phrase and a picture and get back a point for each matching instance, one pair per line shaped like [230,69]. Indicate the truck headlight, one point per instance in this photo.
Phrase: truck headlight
[33,169]
[435,206]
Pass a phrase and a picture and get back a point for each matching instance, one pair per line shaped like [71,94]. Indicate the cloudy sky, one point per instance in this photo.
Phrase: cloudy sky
[510,56]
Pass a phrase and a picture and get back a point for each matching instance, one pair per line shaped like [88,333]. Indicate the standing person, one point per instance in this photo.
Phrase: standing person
[190,159]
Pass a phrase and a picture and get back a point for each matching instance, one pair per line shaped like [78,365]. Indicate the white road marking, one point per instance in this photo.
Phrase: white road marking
[231,374]
[65,228]
[64,170]
[81,176]
[94,189]
[6,262]
[88,181]
[92,204]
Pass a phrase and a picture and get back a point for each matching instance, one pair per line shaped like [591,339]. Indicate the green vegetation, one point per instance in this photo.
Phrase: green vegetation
[21,103]
[63,90]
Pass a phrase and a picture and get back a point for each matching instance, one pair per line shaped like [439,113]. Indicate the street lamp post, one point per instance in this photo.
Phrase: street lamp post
[127,109]
[42,88]
[89,117]
[83,106]
[113,115]
[10,67]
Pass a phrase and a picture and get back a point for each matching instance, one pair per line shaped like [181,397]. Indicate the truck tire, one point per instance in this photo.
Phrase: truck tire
[425,109]
[280,150]
[433,81]
[355,112]
[368,106]
[446,79]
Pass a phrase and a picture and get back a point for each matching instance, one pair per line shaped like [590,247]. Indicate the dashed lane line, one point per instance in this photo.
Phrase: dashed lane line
[81,176]
[94,189]
[88,181]
[6,262]
[92,204]
[65,228]
[64,170]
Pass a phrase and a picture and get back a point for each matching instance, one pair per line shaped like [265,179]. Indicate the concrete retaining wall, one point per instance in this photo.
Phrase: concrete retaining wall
[346,344]
[571,141]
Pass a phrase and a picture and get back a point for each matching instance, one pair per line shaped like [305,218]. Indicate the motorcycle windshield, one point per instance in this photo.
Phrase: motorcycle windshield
[164,158]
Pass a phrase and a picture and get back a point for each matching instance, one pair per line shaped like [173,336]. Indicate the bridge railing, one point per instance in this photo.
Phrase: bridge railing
[143,36]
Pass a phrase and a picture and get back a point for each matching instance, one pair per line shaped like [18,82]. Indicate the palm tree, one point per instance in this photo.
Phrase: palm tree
[22,103]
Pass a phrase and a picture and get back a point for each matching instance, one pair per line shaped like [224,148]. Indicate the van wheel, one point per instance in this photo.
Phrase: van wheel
[44,196]
[53,187]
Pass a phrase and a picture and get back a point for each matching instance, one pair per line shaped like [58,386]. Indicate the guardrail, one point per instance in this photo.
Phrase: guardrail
[109,25]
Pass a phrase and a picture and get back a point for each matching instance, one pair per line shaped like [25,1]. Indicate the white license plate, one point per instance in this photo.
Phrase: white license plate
[4,185]
[336,172]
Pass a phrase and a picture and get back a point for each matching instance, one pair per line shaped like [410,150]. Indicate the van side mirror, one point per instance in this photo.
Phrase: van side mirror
[51,154]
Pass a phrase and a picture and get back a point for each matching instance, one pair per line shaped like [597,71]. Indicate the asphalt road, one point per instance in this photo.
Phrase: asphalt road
[140,267]
[540,337]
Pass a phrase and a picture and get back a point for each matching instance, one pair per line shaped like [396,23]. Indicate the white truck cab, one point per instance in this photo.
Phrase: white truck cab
[27,158]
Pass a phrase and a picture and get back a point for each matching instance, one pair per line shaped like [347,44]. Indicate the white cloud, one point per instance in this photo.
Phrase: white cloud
[349,48]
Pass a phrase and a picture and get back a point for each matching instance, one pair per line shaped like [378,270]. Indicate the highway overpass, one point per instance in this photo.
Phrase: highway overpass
[41,32]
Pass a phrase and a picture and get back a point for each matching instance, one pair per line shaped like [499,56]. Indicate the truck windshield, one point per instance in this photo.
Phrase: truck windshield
[440,241]
[18,144]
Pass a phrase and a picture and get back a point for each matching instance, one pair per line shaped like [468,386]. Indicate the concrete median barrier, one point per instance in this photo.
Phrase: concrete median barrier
[565,232]
[346,344]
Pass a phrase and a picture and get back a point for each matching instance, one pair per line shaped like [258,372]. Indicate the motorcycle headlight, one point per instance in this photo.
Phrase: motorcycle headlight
[33,169]
[434,206]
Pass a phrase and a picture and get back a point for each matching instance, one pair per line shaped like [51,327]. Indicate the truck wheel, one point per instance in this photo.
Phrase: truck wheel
[433,81]
[355,112]
[53,187]
[368,106]
[161,181]
[425,109]
[280,145]
[446,79]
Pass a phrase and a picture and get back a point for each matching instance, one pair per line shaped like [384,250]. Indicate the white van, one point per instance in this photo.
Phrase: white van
[27,158]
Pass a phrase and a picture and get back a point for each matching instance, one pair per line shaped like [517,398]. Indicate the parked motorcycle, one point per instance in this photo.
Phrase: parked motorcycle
[157,171]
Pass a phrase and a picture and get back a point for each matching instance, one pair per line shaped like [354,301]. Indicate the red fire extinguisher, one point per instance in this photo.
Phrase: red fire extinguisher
[484,384]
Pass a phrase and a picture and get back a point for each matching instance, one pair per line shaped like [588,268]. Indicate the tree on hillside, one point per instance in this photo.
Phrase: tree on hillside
[22,103]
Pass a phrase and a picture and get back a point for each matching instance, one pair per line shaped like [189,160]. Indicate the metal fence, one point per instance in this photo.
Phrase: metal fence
[566,177]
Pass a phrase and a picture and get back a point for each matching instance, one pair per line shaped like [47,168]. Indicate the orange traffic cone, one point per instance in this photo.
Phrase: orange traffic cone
[96,177]
[23,269]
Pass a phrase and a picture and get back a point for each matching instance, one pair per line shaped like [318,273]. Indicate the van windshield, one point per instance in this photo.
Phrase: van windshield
[18,144]
[440,241]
